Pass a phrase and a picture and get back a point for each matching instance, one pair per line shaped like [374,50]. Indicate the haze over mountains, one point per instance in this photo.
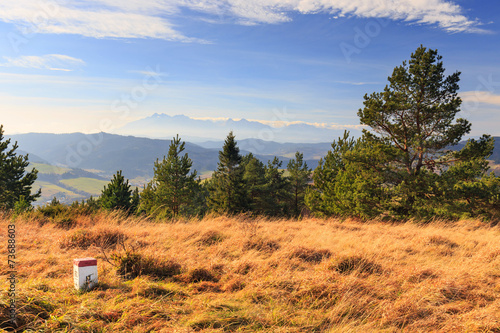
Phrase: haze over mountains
[90,160]
[104,154]
[164,126]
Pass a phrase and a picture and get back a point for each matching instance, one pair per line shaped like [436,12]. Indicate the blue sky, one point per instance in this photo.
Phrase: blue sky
[89,66]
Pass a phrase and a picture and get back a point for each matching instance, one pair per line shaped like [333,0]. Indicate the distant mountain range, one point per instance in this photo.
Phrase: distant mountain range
[164,127]
[92,159]
[103,154]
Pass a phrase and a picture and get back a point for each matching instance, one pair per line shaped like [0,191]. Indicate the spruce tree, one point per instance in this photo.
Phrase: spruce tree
[278,196]
[174,186]
[227,192]
[299,177]
[117,194]
[15,182]
[135,201]
[255,184]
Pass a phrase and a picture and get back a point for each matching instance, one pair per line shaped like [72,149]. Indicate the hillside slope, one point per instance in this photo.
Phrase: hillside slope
[66,184]
[104,154]
[243,275]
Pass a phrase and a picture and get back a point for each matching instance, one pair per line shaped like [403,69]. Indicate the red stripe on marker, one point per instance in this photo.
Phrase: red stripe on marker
[85,262]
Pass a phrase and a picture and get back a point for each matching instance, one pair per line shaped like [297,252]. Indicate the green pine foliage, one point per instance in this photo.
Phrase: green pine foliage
[135,200]
[404,167]
[344,185]
[117,194]
[227,191]
[15,182]
[298,178]
[174,187]
[278,193]
[254,177]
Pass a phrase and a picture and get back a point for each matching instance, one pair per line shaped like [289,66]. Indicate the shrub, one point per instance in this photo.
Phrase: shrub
[83,239]
[357,263]
[310,255]
[261,245]
[131,265]
[211,237]
[201,274]
[53,209]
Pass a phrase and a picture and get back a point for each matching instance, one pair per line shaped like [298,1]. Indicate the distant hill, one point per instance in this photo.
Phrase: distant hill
[85,163]
[66,184]
[103,154]
[164,126]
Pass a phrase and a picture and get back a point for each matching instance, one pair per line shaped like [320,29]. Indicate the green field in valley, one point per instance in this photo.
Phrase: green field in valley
[88,185]
[49,169]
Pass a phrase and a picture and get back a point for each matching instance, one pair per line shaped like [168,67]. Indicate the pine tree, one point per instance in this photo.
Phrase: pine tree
[413,123]
[135,201]
[278,189]
[404,166]
[15,182]
[117,194]
[255,184]
[227,192]
[299,177]
[174,186]
[343,185]
[415,114]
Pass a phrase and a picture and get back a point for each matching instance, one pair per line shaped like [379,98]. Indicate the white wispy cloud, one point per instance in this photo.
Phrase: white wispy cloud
[484,97]
[355,83]
[282,123]
[278,124]
[153,18]
[97,19]
[148,72]
[54,62]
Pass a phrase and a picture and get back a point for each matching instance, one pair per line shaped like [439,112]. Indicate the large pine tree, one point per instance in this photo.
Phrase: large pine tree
[15,182]
[415,114]
[404,166]
[227,186]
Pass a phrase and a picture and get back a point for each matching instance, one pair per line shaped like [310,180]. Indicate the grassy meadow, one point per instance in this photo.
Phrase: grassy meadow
[239,274]
[88,185]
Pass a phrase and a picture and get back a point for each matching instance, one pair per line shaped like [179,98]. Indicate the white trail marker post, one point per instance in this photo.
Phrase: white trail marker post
[85,273]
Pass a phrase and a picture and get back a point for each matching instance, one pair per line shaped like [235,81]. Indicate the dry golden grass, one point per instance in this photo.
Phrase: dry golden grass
[246,275]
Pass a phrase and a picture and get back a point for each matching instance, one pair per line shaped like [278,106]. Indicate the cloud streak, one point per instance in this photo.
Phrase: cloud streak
[484,97]
[153,18]
[53,62]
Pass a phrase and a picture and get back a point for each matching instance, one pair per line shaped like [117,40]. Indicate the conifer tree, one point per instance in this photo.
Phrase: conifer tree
[255,184]
[227,192]
[15,182]
[135,201]
[117,194]
[278,189]
[299,177]
[405,166]
[413,123]
[343,185]
[174,186]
